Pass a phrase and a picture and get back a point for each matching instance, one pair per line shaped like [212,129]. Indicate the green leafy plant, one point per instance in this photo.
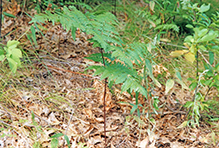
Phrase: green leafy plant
[204,39]
[211,78]
[130,65]
[198,104]
[55,141]
[162,15]
[37,129]
[12,53]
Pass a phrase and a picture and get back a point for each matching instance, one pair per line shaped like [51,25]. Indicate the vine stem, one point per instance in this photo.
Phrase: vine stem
[104,100]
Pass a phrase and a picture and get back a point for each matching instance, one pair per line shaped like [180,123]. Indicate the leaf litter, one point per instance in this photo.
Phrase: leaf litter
[51,95]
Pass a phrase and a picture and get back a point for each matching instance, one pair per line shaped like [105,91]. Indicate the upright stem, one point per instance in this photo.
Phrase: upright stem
[196,89]
[104,100]
[0,17]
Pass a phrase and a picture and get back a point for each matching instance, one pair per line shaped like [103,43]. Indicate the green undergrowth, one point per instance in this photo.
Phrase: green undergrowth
[141,36]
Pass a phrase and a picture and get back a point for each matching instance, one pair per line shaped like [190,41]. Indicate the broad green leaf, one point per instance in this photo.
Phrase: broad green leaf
[192,49]
[190,79]
[189,26]
[12,44]
[178,53]
[202,32]
[169,85]
[204,8]
[57,135]
[2,52]
[16,59]
[12,64]
[202,47]
[193,85]
[190,57]
[210,74]
[16,52]
[211,57]
[189,39]
[2,57]
[208,37]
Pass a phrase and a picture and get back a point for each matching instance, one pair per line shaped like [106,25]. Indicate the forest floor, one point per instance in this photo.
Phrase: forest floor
[50,94]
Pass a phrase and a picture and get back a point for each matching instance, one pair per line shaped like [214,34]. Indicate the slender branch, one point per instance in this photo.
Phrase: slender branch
[204,57]
[209,88]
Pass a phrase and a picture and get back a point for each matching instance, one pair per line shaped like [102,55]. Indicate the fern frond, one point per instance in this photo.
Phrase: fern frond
[168,27]
[100,26]
[120,73]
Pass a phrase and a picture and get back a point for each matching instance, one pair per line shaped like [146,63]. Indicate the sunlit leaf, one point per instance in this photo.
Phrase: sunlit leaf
[178,53]
[12,44]
[12,64]
[208,37]
[189,26]
[192,49]
[202,32]
[184,124]
[189,39]
[204,8]
[186,44]
[169,85]
[190,57]
[202,47]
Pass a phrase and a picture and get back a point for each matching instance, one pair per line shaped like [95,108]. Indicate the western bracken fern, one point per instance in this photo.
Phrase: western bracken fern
[123,63]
